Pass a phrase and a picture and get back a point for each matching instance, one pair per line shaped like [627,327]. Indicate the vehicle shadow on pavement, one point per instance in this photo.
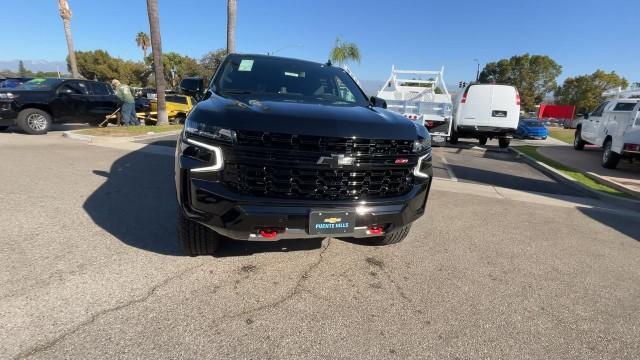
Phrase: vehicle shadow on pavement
[515,182]
[622,224]
[137,204]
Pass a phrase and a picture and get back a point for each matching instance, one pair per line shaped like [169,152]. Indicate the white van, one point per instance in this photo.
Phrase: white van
[484,111]
[615,126]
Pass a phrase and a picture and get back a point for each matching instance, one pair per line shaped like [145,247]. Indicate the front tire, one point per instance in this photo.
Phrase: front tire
[578,143]
[34,121]
[483,140]
[3,128]
[453,139]
[392,237]
[196,238]
[504,142]
[610,158]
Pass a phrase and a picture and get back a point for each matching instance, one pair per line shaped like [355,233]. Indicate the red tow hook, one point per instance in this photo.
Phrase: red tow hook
[375,230]
[268,233]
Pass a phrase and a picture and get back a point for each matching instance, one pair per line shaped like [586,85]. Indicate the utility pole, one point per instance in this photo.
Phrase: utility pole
[477,70]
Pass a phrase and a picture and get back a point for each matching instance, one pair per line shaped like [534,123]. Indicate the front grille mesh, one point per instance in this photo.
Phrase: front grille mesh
[285,166]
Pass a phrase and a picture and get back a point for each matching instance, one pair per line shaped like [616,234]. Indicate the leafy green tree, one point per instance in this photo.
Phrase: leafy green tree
[585,91]
[177,67]
[99,65]
[344,52]
[210,62]
[533,75]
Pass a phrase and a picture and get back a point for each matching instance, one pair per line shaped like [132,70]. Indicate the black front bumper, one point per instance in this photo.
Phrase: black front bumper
[240,217]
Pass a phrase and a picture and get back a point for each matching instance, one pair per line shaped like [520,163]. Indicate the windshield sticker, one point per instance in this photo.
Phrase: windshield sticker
[245,65]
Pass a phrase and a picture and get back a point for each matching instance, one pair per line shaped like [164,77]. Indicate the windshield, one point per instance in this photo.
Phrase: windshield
[40,84]
[247,77]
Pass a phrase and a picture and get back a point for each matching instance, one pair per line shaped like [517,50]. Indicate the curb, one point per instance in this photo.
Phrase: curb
[561,177]
[95,139]
[612,184]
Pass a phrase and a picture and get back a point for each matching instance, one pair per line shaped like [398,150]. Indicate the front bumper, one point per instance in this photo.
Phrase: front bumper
[241,217]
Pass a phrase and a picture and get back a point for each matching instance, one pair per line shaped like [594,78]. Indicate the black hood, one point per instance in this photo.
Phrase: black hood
[306,119]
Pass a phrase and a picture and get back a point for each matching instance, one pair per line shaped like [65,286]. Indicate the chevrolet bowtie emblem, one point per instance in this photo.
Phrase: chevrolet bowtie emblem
[336,161]
[332,220]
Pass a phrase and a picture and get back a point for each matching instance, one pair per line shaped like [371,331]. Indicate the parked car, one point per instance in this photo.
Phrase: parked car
[12,83]
[142,104]
[282,148]
[178,106]
[34,105]
[615,126]
[485,111]
[531,129]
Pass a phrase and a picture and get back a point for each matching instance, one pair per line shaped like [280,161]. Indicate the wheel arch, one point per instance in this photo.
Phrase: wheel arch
[43,107]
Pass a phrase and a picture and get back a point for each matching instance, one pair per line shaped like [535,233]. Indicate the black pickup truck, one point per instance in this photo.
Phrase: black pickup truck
[37,103]
[282,148]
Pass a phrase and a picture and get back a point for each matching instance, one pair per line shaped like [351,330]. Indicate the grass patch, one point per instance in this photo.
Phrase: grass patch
[121,131]
[564,135]
[576,175]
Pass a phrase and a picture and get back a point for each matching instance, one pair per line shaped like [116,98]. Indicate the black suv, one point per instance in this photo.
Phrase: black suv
[34,105]
[282,148]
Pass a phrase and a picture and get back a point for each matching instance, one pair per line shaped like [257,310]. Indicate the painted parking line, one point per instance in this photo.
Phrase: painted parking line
[452,175]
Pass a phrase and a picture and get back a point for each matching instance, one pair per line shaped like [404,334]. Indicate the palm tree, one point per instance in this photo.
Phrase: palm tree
[65,14]
[156,49]
[143,41]
[342,52]
[231,26]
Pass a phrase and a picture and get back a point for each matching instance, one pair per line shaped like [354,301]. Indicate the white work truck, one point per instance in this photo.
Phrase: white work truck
[615,126]
[421,96]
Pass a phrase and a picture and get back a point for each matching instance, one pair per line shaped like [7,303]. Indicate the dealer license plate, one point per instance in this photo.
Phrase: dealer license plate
[331,222]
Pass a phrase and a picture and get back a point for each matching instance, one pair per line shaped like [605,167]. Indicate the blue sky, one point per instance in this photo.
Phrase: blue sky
[581,35]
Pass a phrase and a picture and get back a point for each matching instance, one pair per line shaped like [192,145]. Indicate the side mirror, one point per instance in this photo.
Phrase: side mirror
[586,116]
[378,102]
[192,87]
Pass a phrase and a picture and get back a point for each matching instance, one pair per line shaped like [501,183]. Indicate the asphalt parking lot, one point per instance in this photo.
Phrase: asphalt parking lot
[499,268]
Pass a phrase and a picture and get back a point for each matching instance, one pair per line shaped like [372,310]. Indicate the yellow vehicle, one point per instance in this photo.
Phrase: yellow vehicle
[178,106]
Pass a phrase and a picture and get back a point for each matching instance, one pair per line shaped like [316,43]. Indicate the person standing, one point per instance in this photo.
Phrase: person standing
[123,92]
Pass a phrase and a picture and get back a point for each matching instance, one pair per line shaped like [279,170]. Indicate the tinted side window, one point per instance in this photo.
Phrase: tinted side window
[100,89]
[73,87]
[624,106]
[598,111]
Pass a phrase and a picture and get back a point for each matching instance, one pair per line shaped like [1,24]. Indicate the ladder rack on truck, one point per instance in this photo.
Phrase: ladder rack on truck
[618,93]
[420,96]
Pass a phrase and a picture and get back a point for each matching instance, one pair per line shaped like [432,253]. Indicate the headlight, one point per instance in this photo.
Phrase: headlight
[216,161]
[421,146]
[210,132]
[422,163]
[7,96]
